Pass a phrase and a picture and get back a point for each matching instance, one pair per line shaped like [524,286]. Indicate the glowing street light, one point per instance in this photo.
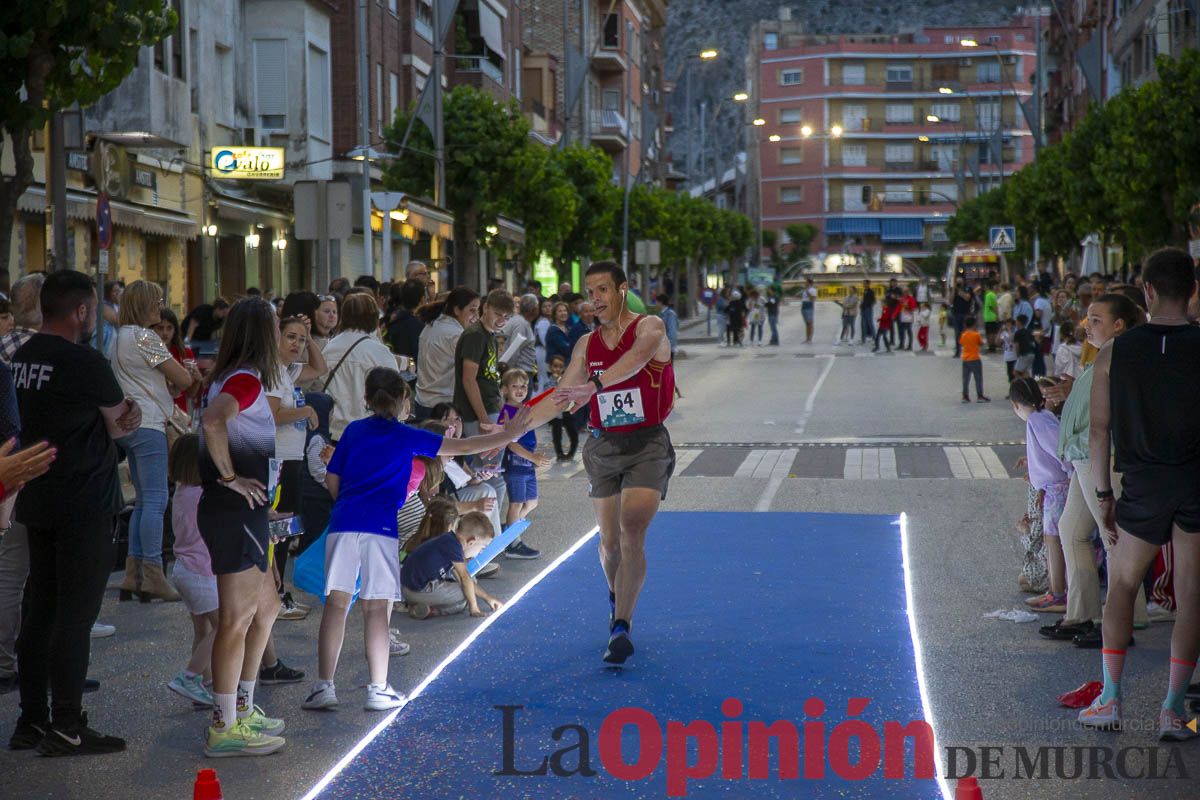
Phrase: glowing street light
[709,54]
[932,118]
[774,137]
[741,97]
[945,90]
[759,122]
[922,138]
[969,43]
[835,131]
[806,131]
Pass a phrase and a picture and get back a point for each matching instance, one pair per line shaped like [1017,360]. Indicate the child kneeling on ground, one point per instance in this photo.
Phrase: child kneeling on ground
[368,478]
[434,579]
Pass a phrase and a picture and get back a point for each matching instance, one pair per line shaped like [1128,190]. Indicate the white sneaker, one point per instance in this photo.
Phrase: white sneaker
[320,698]
[1154,611]
[382,697]
[101,631]
[397,647]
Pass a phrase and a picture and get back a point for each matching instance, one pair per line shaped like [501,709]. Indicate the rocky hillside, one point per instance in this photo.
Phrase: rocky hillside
[725,24]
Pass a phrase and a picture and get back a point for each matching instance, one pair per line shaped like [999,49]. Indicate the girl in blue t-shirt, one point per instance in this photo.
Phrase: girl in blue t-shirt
[368,478]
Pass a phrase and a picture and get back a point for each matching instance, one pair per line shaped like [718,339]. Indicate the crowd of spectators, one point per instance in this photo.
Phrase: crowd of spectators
[370,427]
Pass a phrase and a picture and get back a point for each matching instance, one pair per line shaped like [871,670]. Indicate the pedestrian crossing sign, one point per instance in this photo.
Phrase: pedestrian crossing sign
[1003,238]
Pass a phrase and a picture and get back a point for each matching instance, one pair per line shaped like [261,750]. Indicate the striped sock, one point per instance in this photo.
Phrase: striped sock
[1113,662]
[1181,673]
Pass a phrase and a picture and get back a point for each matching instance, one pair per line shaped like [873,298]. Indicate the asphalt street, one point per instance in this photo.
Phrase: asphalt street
[819,428]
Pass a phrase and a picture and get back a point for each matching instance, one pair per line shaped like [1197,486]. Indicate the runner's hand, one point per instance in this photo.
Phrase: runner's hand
[254,492]
[574,395]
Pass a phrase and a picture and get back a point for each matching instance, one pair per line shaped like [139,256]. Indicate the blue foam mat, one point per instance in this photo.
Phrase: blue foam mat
[771,609]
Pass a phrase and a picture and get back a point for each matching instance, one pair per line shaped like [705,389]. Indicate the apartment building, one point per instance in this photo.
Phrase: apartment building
[876,138]
[620,98]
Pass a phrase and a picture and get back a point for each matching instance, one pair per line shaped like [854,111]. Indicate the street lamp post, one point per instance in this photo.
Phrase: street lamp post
[707,54]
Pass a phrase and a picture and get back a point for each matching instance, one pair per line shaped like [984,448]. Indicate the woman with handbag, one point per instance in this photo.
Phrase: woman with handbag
[354,352]
[151,377]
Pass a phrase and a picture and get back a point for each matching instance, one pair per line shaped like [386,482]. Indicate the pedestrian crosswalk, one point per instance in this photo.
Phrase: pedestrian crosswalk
[958,461]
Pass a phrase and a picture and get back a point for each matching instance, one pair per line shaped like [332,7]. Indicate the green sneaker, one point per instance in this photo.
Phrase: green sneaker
[239,740]
[259,722]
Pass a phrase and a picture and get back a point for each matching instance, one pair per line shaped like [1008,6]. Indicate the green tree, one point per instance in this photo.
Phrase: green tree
[543,198]
[971,221]
[801,235]
[1084,195]
[598,203]
[53,55]
[1035,204]
[770,240]
[485,142]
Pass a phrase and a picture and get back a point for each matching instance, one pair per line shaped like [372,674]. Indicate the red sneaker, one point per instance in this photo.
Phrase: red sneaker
[1083,696]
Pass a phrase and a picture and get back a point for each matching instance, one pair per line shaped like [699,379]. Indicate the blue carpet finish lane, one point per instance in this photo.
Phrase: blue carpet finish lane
[772,609]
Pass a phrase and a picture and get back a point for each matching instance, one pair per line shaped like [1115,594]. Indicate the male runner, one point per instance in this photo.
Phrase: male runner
[623,371]
[1146,393]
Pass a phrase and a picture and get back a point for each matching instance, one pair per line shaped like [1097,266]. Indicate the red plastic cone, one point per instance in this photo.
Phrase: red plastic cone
[207,787]
[968,789]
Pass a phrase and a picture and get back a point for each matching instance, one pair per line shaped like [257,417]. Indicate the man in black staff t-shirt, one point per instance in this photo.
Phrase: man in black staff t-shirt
[203,322]
[67,395]
[1146,399]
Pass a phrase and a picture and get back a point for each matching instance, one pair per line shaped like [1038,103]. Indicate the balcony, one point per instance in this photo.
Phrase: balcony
[423,29]
[479,65]
[610,130]
[609,59]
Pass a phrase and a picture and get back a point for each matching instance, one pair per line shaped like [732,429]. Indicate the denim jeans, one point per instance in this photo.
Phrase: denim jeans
[146,450]
[773,321]
[868,324]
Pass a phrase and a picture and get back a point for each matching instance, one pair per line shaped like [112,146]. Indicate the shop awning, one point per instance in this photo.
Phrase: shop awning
[852,226]
[430,219]
[82,205]
[243,207]
[902,230]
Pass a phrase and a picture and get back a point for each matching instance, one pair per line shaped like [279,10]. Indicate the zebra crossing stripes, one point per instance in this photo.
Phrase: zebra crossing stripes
[894,461]
[974,463]
[870,463]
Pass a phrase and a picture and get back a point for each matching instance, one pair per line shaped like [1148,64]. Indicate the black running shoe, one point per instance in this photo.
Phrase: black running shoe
[620,647]
[280,673]
[27,735]
[76,739]
[1065,632]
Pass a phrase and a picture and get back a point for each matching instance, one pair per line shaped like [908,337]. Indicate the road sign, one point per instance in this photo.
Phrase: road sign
[647,251]
[103,221]
[1003,238]
[102,265]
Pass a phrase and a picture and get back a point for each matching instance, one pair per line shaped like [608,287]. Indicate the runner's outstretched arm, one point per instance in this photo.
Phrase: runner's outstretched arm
[651,335]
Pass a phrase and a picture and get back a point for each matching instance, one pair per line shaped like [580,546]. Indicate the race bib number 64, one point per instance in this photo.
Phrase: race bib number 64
[621,408]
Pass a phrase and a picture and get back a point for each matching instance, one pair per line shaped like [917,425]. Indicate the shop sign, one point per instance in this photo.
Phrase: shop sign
[247,163]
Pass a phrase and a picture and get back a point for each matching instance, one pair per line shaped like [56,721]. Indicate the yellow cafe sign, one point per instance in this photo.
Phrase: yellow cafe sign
[247,163]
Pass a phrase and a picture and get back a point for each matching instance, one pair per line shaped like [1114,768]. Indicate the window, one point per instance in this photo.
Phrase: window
[379,97]
[770,41]
[854,74]
[791,155]
[853,116]
[993,38]
[943,192]
[987,115]
[424,20]
[224,105]
[944,155]
[898,193]
[854,155]
[791,77]
[898,153]
[393,94]
[612,31]
[899,113]
[419,80]
[177,44]
[270,83]
[946,112]
[318,93]
[899,73]
[944,70]
[612,100]
[391,6]
[789,116]
[791,194]
[987,72]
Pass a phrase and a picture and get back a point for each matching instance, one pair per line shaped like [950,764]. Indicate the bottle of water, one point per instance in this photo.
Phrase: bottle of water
[301,424]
